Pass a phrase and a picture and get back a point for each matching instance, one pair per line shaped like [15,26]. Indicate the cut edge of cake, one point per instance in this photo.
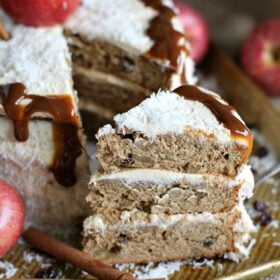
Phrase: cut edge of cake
[167,192]
[227,234]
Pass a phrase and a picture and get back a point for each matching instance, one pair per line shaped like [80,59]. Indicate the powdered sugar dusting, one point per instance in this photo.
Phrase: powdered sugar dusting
[152,270]
[107,19]
[44,261]
[9,269]
[163,270]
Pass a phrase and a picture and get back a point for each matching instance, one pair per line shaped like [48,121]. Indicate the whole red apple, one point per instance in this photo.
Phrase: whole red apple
[11,217]
[39,12]
[196,30]
[260,56]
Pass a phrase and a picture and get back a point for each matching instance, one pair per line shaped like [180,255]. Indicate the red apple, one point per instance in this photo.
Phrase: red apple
[11,217]
[39,12]
[260,56]
[196,30]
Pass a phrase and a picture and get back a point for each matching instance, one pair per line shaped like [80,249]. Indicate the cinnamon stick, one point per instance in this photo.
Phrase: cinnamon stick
[4,34]
[73,256]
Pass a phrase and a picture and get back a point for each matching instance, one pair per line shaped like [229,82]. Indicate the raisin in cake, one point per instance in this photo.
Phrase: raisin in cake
[124,50]
[172,181]
[40,137]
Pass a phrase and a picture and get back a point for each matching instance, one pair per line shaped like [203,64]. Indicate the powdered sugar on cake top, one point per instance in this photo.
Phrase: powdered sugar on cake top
[108,19]
[168,113]
[37,57]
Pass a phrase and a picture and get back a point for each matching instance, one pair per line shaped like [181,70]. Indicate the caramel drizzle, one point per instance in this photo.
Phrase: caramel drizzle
[222,111]
[65,126]
[168,42]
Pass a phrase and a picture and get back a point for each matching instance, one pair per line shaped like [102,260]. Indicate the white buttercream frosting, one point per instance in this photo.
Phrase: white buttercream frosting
[123,23]
[39,147]
[163,177]
[168,113]
[37,57]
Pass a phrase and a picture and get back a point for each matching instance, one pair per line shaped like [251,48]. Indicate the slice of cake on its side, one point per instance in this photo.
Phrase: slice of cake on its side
[40,133]
[172,181]
[124,50]
[169,131]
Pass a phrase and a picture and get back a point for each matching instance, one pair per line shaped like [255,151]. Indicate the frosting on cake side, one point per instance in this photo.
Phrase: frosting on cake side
[161,177]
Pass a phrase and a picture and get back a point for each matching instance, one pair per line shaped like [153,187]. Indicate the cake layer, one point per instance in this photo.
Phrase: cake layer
[107,91]
[141,238]
[104,57]
[25,165]
[175,132]
[166,192]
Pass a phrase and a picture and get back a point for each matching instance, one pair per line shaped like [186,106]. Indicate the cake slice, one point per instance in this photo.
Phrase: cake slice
[189,130]
[154,191]
[124,50]
[40,130]
[172,181]
[140,238]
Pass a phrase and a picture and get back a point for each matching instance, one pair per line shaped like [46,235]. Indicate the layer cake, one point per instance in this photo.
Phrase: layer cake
[172,181]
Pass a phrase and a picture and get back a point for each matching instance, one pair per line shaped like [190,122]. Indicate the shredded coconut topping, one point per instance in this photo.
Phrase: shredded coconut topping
[169,113]
[37,57]
[107,19]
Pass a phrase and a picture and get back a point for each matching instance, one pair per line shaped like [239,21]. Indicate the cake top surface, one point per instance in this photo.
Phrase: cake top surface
[169,113]
[119,21]
[37,57]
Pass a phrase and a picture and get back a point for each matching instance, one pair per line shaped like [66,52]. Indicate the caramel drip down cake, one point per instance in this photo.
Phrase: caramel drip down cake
[41,137]
[172,181]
